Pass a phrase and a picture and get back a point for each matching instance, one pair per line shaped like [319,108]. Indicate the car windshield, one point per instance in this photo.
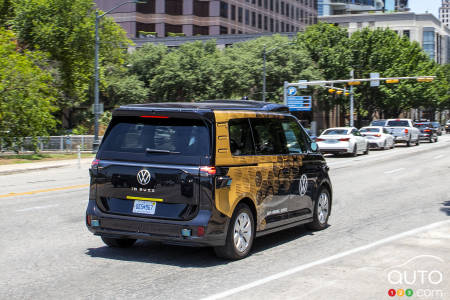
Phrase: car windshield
[376,130]
[435,124]
[398,123]
[335,132]
[378,123]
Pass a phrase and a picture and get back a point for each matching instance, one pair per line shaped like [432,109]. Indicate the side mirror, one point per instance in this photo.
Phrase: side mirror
[314,147]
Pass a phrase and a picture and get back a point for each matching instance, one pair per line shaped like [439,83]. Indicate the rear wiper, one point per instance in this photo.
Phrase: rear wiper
[149,150]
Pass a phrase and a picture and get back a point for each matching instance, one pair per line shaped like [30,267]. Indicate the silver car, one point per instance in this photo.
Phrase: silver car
[378,137]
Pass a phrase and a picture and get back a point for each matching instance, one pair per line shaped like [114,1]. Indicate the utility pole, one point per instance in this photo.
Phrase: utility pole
[264,75]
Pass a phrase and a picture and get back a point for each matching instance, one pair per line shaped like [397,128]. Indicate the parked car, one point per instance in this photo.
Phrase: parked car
[378,137]
[438,127]
[381,122]
[427,131]
[342,140]
[403,131]
[211,173]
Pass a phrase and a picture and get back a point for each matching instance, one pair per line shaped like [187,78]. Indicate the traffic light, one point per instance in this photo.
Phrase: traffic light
[425,79]
[339,92]
[331,91]
[347,94]
[354,83]
[392,81]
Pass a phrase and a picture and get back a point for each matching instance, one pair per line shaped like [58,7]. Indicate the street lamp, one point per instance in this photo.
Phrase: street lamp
[96,142]
[265,53]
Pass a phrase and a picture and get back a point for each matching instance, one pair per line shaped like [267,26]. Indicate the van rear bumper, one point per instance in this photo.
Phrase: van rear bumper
[166,231]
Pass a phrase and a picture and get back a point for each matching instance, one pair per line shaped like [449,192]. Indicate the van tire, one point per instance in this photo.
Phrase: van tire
[320,222]
[229,250]
[118,243]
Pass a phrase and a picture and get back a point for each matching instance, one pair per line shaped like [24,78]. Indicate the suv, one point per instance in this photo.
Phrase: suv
[211,173]
[427,131]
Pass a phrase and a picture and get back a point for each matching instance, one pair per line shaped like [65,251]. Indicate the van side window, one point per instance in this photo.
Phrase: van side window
[241,141]
[269,136]
[296,141]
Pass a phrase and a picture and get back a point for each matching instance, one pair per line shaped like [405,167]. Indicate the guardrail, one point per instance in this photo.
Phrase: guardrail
[64,143]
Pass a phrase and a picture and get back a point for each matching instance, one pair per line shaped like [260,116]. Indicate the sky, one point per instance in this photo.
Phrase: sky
[421,6]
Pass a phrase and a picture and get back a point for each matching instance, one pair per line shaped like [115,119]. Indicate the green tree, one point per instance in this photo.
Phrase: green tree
[27,94]
[65,29]
[123,88]
[6,12]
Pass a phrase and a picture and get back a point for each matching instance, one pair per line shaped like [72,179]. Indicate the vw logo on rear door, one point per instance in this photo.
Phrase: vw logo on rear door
[303,185]
[143,177]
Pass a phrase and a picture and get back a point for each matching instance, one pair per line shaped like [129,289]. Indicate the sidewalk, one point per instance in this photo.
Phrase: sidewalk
[27,167]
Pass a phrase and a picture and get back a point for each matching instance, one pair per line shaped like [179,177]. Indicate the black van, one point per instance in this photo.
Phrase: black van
[212,173]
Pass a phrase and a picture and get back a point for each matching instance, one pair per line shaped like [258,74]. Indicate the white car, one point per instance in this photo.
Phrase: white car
[343,140]
[378,137]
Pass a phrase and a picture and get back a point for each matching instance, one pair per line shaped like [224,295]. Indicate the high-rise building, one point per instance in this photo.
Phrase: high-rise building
[444,11]
[211,17]
[395,5]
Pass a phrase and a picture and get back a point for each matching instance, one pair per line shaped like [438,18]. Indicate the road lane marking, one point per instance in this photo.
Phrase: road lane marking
[45,191]
[322,261]
[439,156]
[394,171]
[37,207]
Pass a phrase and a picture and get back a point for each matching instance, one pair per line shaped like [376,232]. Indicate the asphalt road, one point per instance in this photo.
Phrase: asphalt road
[384,204]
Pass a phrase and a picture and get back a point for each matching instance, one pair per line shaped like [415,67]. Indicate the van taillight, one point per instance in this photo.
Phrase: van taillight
[95,163]
[155,117]
[209,170]
[406,130]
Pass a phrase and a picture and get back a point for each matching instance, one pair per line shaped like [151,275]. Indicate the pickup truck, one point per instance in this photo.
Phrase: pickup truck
[403,131]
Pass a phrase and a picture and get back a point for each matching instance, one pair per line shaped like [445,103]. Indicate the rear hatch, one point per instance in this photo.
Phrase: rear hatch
[149,166]
[397,127]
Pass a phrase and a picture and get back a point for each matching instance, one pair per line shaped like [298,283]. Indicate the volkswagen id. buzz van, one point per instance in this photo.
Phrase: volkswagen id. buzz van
[212,173]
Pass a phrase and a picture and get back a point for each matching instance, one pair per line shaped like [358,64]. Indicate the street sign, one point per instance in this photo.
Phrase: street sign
[302,86]
[100,108]
[299,103]
[292,91]
[374,82]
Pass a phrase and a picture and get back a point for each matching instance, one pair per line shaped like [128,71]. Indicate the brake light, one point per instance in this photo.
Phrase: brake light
[406,130]
[344,139]
[88,219]
[209,170]
[319,140]
[200,231]
[377,135]
[427,130]
[95,163]
[155,117]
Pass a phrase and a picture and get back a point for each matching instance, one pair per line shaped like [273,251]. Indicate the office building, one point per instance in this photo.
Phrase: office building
[162,18]
[444,11]
[425,29]
[342,7]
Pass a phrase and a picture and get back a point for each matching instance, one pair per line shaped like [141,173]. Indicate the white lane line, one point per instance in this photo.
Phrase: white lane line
[439,156]
[37,207]
[394,171]
[322,261]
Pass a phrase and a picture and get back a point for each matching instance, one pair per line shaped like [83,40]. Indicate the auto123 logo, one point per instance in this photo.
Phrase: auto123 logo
[421,277]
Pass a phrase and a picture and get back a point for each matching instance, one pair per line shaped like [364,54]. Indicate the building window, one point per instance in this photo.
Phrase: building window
[173,29]
[233,31]
[223,30]
[247,17]
[271,24]
[259,21]
[266,25]
[260,2]
[201,8]
[223,9]
[277,6]
[282,7]
[429,43]
[233,12]
[201,30]
[271,5]
[253,19]
[407,33]
[174,7]
[240,13]
[143,28]
[297,14]
[277,26]
[146,8]
[287,10]
[282,27]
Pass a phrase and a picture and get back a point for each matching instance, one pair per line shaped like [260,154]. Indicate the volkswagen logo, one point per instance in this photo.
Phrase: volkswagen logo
[303,185]
[143,177]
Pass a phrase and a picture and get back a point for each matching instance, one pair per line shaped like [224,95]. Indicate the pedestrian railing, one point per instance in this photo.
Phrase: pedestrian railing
[66,143]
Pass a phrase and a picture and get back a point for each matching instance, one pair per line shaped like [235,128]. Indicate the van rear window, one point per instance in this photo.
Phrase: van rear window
[142,139]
